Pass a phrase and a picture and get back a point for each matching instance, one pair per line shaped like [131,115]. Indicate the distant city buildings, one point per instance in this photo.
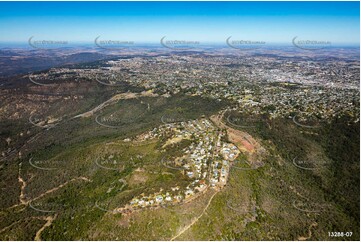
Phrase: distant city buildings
[279,85]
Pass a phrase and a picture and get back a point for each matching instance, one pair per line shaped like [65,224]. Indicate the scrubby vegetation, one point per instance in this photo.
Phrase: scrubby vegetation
[79,171]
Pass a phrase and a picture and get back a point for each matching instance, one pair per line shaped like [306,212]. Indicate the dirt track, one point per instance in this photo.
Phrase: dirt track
[195,219]
[121,96]
[244,141]
[22,188]
[49,220]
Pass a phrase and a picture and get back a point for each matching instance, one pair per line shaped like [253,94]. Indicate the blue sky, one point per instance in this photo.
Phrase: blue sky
[272,22]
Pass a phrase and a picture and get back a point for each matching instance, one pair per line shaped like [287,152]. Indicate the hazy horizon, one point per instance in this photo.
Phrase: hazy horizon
[147,22]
